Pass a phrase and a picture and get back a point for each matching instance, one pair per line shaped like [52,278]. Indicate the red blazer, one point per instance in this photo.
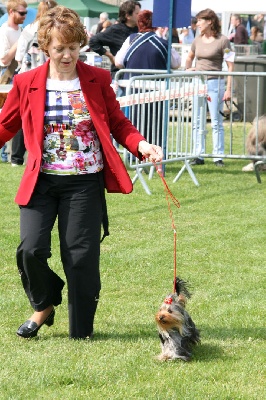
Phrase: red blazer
[24,107]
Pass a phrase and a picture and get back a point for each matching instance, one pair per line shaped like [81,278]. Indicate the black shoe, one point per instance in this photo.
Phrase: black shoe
[30,329]
[197,161]
[219,163]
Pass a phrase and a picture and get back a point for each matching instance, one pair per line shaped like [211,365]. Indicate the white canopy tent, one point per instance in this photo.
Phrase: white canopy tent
[235,6]
[228,7]
[224,7]
[232,6]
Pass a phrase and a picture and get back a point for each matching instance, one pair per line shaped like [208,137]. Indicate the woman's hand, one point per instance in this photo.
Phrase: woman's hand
[152,152]
[227,95]
[110,56]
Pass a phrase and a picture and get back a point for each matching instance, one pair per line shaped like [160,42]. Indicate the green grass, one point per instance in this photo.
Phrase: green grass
[220,251]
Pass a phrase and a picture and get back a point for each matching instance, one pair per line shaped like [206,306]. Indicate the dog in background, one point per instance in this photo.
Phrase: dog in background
[176,329]
[256,139]
[256,143]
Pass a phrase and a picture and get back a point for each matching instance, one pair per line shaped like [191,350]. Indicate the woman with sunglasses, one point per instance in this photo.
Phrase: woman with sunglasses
[10,31]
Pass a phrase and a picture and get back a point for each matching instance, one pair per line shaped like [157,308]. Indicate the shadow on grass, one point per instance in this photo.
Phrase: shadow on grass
[147,332]
[205,352]
[231,333]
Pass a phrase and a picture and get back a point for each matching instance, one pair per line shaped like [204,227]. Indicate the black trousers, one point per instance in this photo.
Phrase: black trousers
[77,203]
[18,148]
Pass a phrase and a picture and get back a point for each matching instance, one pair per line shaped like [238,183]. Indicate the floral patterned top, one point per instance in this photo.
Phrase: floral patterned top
[71,143]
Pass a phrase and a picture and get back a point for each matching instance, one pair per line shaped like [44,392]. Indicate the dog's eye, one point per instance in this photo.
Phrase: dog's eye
[169,310]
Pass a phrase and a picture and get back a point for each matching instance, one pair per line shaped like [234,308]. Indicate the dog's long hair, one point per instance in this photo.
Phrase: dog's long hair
[176,329]
[256,139]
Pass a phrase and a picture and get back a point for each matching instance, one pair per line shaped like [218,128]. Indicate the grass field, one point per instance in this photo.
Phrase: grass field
[220,251]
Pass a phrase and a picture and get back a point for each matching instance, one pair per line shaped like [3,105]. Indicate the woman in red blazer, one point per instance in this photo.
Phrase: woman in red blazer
[67,111]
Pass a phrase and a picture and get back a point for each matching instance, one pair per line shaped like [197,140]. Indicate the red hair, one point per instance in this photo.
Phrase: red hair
[145,21]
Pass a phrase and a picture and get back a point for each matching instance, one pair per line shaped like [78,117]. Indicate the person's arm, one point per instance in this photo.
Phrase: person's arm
[227,93]
[175,59]
[189,61]
[99,40]
[120,55]
[8,53]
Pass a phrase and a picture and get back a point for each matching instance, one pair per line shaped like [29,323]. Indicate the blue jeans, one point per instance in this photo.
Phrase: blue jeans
[216,88]
[4,153]
[3,150]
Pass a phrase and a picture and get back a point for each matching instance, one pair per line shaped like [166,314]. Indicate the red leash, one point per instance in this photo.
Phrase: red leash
[170,197]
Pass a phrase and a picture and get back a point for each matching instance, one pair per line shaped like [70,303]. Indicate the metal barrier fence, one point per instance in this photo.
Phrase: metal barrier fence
[171,110]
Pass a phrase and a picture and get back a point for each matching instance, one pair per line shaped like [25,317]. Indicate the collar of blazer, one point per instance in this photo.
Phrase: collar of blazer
[40,74]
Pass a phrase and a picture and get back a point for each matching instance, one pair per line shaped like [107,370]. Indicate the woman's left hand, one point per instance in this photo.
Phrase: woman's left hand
[152,152]
[227,95]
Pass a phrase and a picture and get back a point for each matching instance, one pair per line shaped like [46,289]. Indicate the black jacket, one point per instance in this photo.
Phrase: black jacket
[113,37]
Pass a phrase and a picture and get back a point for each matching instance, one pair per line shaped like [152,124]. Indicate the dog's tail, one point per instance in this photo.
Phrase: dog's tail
[181,288]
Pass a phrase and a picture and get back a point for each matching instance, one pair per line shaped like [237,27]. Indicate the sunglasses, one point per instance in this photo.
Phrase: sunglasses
[22,13]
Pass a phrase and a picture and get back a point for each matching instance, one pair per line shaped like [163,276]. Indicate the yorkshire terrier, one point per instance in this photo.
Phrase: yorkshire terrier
[177,331]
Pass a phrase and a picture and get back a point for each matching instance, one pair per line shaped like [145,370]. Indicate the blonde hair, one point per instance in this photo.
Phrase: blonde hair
[67,24]
[106,24]
[43,7]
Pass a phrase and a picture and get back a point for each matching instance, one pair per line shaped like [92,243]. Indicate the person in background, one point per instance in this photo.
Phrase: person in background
[189,34]
[194,26]
[162,32]
[210,49]
[10,32]
[115,36]
[256,37]
[103,17]
[175,36]
[240,36]
[26,62]
[106,25]
[27,36]
[259,21]
[67,109]
[146,50]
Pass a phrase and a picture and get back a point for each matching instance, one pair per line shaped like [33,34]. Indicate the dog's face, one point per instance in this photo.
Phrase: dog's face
[169,316]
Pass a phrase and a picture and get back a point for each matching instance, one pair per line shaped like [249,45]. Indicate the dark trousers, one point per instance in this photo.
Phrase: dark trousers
[18,148]
[76,202]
